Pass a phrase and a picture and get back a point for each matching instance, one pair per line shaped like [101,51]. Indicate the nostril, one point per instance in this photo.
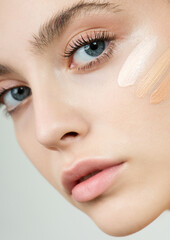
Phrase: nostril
[69,135]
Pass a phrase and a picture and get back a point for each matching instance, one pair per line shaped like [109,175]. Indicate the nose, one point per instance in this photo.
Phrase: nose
[58,123]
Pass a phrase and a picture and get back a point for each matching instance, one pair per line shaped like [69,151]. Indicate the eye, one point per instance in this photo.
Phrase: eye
[90,50]
[14,97]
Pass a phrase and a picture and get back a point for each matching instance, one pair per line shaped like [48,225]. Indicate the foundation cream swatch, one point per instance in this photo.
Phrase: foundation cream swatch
[155,74]
[162,92]
[136,62]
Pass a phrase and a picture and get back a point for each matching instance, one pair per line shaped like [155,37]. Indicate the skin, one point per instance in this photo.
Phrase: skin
[112,123]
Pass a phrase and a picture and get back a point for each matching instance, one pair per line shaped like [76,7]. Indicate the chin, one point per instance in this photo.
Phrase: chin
[121,227]
[123,219]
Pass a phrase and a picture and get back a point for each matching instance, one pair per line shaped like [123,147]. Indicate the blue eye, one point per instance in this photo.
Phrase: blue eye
[19,94]
[90,51]
[12,98]
[95,49]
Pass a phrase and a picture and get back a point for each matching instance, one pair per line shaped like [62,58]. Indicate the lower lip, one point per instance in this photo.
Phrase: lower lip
[96,185]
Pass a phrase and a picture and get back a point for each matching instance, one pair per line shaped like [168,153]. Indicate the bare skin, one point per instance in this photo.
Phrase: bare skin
[69,114]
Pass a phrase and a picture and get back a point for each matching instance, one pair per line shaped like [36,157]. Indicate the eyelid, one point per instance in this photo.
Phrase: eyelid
[85,39]
[4,91]
[88,37]
[9,85]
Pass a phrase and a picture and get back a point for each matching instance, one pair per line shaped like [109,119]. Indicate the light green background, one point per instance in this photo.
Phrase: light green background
[31,209]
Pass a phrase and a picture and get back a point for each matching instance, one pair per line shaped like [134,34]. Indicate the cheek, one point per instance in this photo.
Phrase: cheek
[44,160]
[139,197]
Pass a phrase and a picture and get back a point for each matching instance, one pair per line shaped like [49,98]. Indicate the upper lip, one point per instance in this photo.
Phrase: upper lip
[79,169]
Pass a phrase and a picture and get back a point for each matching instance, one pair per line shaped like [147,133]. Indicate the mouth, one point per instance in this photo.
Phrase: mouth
[82,179]
[90,178]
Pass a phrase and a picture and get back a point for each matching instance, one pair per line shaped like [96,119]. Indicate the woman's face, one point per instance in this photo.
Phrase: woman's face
[71,116]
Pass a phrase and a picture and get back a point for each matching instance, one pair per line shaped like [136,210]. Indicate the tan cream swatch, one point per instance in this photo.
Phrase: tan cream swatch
[155,74]
[162,92]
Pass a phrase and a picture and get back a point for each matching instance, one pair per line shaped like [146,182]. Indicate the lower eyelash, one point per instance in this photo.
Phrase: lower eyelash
[97,36]
[106,54]
[4,111]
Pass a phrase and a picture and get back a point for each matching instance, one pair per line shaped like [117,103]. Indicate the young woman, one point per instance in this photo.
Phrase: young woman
[87,85]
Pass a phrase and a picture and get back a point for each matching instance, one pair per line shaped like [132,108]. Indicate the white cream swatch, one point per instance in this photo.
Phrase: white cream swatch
[136,62]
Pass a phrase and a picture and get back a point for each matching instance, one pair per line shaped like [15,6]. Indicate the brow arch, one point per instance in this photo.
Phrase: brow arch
[54,27]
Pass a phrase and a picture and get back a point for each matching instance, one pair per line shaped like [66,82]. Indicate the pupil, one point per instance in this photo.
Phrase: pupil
[95,49]
[20,93]
[20,90]
[94,46]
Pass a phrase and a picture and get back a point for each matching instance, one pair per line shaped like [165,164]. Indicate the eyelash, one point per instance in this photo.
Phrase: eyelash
[81,42]
[3,91]
[75,45]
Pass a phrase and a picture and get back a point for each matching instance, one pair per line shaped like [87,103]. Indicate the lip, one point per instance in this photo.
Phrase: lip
[108,170]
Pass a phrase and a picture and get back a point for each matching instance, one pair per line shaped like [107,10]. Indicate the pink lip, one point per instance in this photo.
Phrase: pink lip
[98,183]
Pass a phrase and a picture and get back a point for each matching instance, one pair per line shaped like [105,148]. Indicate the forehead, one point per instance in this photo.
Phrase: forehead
[20,19]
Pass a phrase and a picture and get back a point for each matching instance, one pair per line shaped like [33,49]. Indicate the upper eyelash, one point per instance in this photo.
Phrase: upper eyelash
[4,111]
[75,45]
[5,90]
[2,91]
[98,36]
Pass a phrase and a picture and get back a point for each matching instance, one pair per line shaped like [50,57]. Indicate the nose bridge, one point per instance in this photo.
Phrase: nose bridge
[57,121]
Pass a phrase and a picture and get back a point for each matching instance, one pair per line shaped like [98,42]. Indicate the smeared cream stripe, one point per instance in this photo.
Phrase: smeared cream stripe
[155,74]
[136,62]
[162,92]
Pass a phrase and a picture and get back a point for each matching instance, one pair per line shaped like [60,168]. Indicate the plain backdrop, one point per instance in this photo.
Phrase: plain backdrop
[31,209]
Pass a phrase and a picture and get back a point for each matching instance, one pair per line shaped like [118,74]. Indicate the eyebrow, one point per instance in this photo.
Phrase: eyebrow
[4,69]
[55,26]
